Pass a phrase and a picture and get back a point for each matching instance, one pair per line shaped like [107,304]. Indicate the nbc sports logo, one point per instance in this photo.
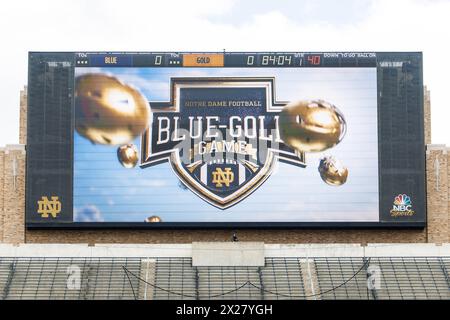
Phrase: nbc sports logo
[402,200]
[402,206]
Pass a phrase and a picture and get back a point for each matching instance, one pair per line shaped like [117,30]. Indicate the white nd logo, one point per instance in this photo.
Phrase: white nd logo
[46,207]
[220,177]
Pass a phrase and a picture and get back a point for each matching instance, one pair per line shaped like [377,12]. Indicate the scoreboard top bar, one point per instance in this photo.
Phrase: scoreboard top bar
[226,59]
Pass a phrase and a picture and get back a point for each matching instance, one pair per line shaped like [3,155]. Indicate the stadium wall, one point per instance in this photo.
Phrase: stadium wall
[12,204]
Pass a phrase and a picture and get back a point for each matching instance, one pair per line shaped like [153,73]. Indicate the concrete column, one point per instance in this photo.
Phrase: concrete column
[310,282]
[148,273]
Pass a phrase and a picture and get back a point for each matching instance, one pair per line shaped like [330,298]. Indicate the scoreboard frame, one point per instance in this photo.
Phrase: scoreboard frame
[59,166]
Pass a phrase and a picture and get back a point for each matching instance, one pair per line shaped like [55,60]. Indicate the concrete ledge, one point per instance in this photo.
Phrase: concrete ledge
[408,250]
[228,254]
[314,250]
[143,250]
[436,147]
[225,253]
[13,147]
[100,251]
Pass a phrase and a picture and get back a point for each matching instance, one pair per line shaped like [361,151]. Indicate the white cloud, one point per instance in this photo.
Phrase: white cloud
[202,25]
[89,213]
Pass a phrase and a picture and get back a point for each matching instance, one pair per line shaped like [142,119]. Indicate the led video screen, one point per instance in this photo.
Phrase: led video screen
[225,140]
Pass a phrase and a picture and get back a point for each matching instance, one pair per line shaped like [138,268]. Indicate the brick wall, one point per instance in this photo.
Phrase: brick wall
[23,116]
[12,197]
[437,190]
[427,114]
[188,236]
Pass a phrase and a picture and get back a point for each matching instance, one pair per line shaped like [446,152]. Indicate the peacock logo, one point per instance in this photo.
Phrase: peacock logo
[402,206]
[402,199]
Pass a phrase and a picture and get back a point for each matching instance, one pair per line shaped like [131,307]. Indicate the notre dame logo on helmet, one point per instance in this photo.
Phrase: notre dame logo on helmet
[220,135]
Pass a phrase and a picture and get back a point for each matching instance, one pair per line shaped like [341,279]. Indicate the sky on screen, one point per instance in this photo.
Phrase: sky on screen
[105,191]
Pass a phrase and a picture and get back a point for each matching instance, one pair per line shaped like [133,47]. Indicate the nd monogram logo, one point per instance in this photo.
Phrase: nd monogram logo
[220,177]
[46,206]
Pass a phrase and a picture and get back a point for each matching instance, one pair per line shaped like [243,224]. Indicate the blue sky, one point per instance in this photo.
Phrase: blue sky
[104,190]
[204,25]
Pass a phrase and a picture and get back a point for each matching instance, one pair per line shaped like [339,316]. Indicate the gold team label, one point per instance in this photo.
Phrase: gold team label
[203,60]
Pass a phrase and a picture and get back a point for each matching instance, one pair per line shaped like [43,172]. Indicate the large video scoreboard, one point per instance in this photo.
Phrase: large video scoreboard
[225,139]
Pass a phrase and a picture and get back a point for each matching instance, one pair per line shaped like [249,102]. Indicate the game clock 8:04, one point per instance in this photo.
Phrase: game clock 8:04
[271,60]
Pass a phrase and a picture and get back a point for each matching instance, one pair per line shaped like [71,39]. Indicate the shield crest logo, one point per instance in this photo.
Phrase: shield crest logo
[220,136]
